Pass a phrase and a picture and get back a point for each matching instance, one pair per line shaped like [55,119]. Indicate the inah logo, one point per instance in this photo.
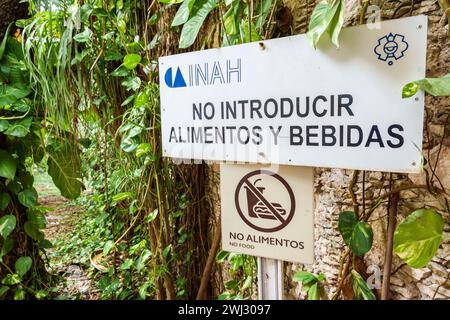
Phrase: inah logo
[204,74]
[391,47]
[177,82]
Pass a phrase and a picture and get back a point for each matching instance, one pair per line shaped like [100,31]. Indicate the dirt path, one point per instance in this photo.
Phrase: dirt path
[61,221]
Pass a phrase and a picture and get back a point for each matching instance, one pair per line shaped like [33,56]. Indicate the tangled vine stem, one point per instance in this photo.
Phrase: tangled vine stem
[352,193]
[209,263]
[343,272]
[392,222]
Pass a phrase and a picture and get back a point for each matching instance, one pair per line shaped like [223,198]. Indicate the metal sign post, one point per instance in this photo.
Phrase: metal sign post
[270,279]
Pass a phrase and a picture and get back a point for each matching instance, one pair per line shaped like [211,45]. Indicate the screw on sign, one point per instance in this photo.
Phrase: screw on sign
[258,207]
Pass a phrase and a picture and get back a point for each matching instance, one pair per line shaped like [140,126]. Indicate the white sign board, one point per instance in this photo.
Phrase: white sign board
[281,101]
[266,212]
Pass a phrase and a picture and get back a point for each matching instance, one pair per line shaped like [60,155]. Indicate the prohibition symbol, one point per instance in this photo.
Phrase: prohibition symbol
[265,201]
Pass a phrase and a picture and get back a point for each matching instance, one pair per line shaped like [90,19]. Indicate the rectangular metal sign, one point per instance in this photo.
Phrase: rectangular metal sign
[281,101]
[268,211]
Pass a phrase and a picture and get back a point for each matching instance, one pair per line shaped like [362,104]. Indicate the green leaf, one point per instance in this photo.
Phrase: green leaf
[131,83]
[3,290]
[19,294]
[122,196]
[64,166]
[107,247]
[28,197]
[418,237]
[166,251]
[131,60]
[83,36]
[199,12]
[247,283]
[126,264]
[433,86]
[313,292]
[120,72]
[318,23]
[140,262]
[304,277]
[7,165]
[14,186]
[45,244]
[410,89]
[9,94]
[4,200]
[7,225]
[232,285]
[143,149]
[326,17]
[8,244]
[143,291]
[357,235]
[23,264]
[151,216]
[41,294]
[249,37]
[4,124]
[33,231]
[183,12]
[19,128]
[3,44]
[360,287]
[222,256]
[22,105]
[11,279]
[229,21]
[334,29]
[321,277]
[362,238]
[263,11]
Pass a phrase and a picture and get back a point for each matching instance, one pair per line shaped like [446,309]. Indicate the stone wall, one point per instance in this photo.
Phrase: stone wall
[331,185]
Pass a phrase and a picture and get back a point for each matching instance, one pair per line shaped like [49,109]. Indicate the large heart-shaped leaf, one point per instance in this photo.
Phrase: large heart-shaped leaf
[326,17]
[418,237]
[9,94]
[199,12]
[28,197]
[33,231]
[64,167]
[183,12]
[7,225]
[23,264]
[131,60]
[357,235]
[19,128]
[7,165]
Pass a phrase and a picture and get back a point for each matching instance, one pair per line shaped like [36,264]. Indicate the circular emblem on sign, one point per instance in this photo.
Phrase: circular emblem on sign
[265,201]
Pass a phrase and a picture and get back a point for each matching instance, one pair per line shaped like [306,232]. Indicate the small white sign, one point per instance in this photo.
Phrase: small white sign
[268,211]
[281,101]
